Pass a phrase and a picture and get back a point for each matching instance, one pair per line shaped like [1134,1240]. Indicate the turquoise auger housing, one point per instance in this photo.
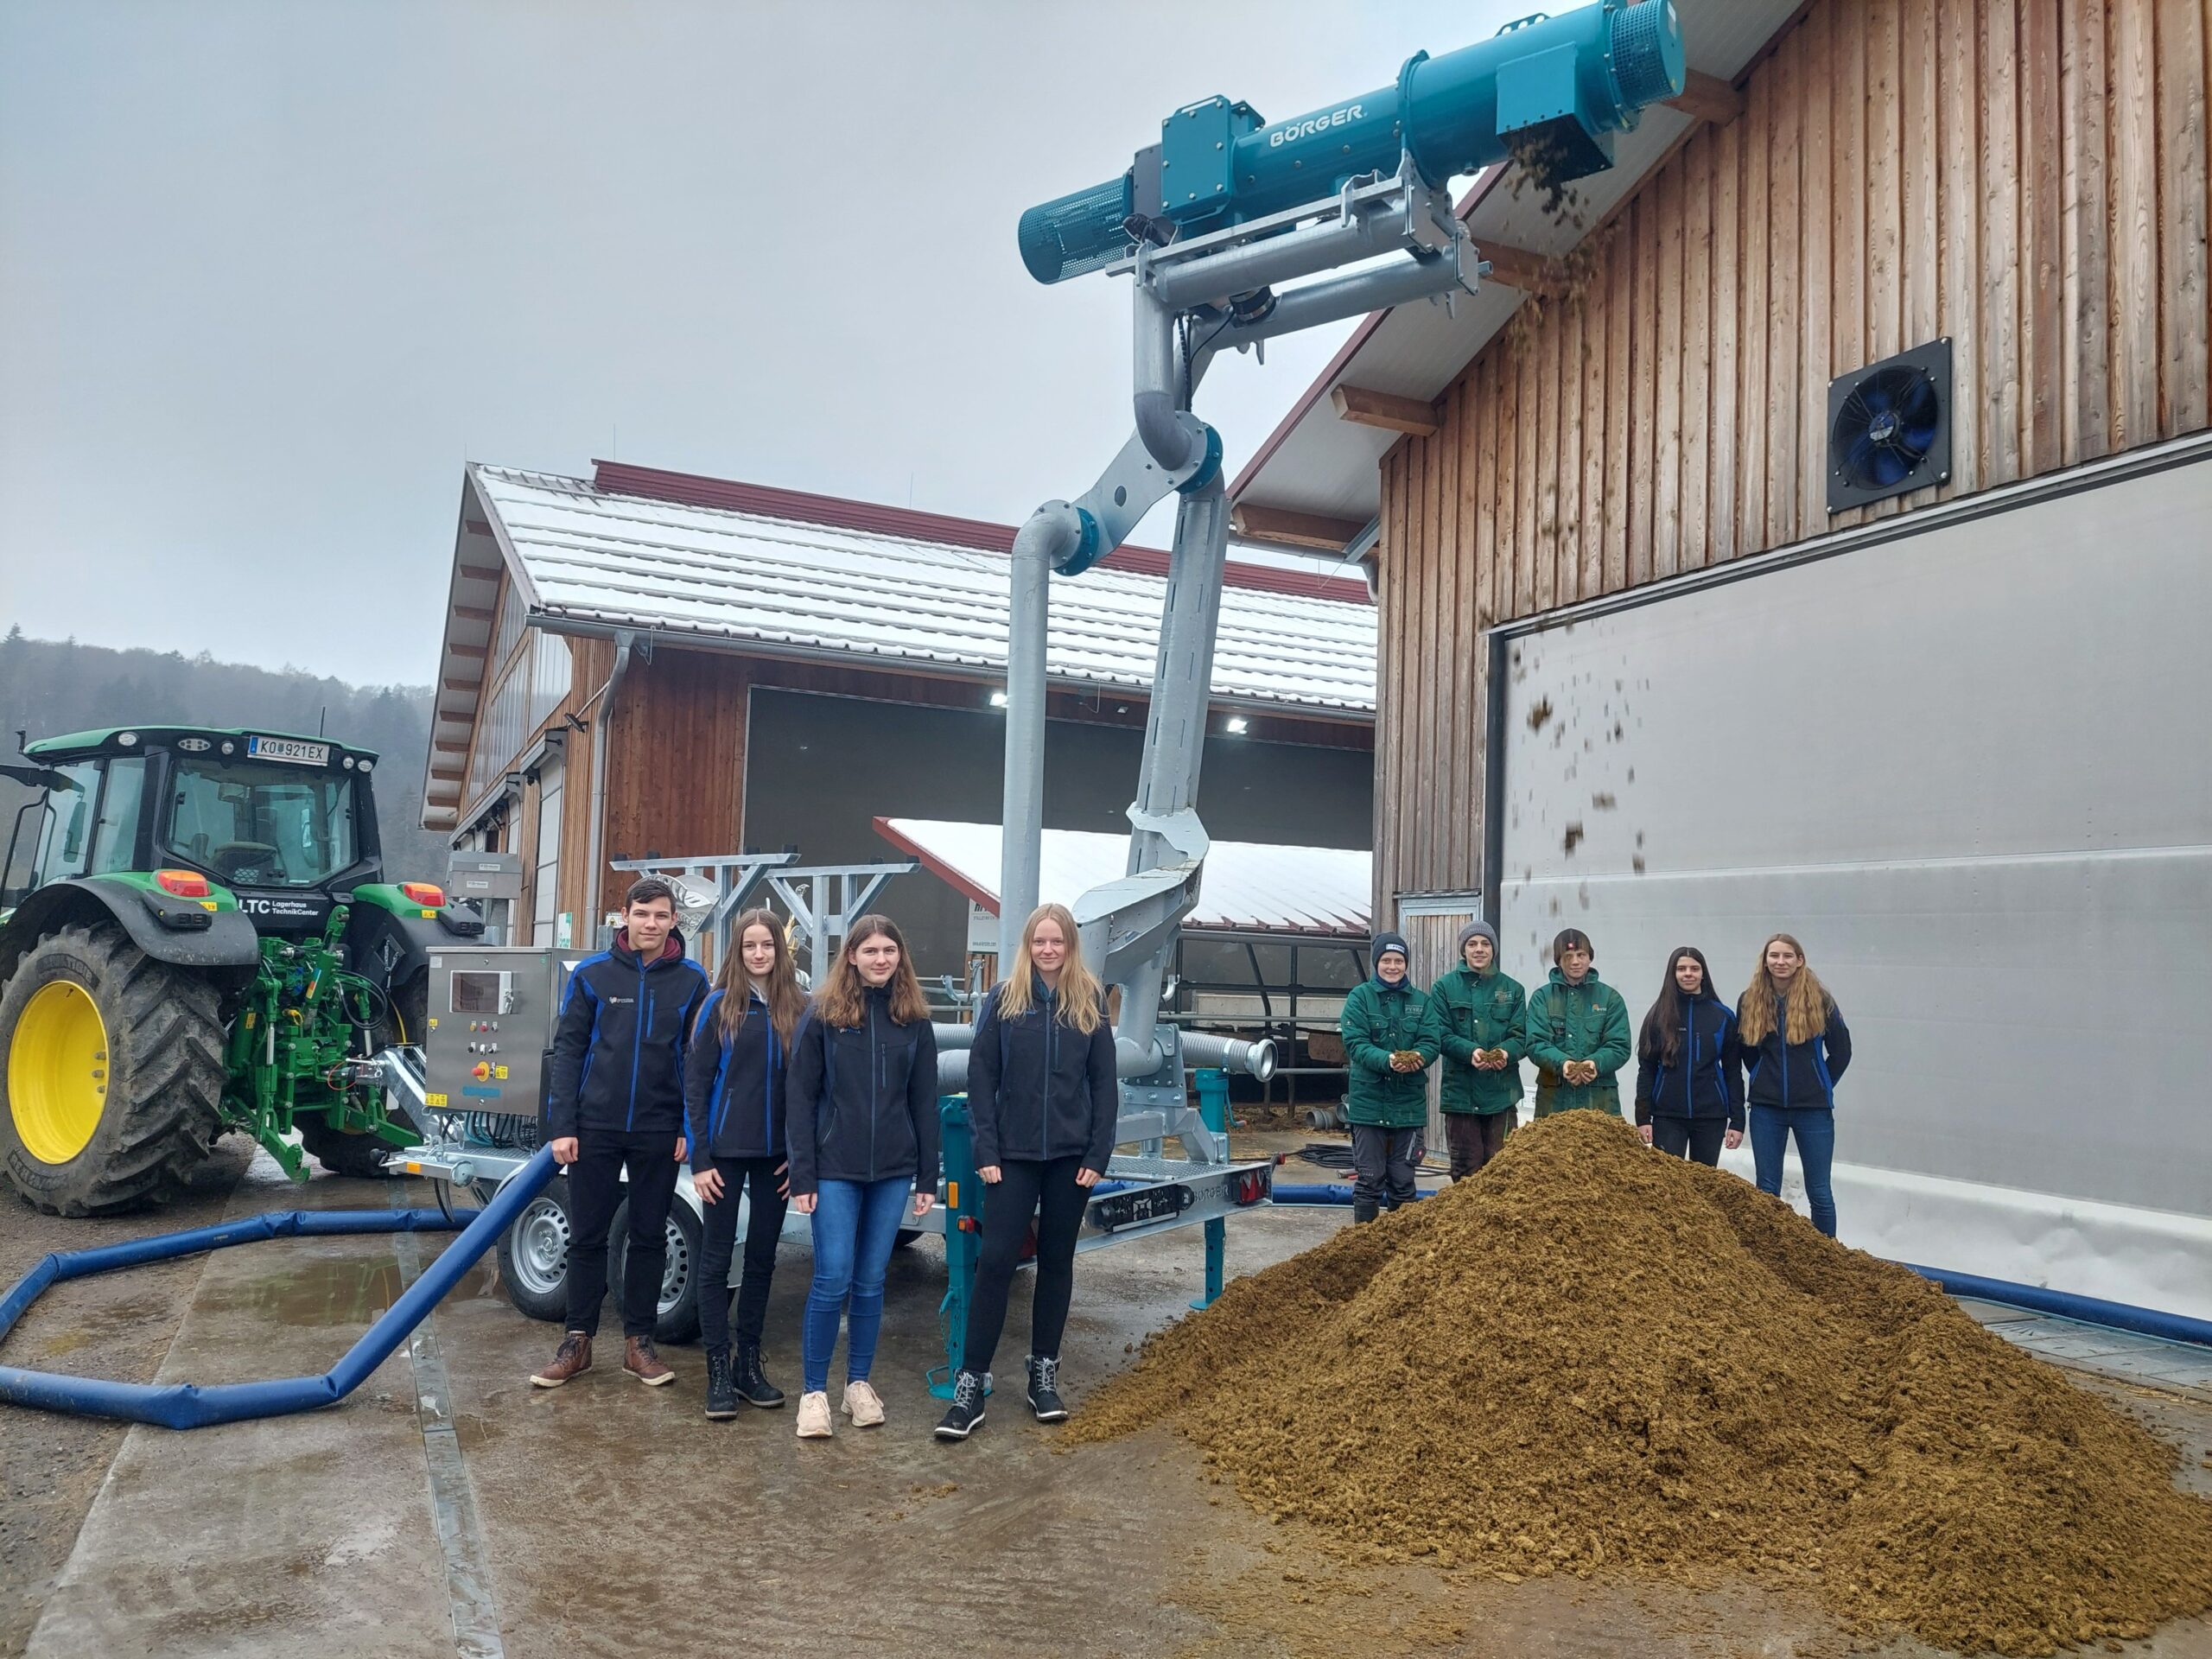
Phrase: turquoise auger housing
[1558,88]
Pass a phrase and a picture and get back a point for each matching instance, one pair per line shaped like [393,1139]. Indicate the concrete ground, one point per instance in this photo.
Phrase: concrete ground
[449,1508]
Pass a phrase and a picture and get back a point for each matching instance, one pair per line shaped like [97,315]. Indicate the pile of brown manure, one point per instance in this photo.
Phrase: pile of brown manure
[1590,1357]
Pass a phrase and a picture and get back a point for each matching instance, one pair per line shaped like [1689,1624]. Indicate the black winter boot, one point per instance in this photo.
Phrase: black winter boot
[1044,1390]
[1361,1211]
[965,1414]
[722,1397]
[752,1384]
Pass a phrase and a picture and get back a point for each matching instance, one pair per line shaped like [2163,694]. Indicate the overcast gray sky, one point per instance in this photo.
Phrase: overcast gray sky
[270,272]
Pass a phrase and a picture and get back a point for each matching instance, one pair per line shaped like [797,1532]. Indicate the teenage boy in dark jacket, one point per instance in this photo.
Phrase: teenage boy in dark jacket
[1481,1018]
[615,1101]
[1389,1044]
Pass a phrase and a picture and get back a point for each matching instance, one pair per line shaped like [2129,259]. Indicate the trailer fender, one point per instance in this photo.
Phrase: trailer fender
[181,931]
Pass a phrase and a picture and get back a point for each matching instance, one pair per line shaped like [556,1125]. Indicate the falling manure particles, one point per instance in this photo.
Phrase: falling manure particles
[1590,1358]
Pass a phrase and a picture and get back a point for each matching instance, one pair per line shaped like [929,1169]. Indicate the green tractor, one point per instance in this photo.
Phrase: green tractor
[202,942]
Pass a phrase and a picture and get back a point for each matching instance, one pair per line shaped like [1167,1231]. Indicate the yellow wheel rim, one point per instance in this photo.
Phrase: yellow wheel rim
[57,1071]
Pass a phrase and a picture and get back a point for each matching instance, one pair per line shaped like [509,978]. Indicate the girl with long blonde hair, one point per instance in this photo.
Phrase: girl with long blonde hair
[863,1145]
[1796,1046]
[1044,1098]
[735,1097]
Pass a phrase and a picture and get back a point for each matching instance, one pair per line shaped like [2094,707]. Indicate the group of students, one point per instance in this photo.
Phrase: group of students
[1779,1052]
[827,1105]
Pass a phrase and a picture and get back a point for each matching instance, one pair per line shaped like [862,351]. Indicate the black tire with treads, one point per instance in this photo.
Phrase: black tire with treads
[162,1110]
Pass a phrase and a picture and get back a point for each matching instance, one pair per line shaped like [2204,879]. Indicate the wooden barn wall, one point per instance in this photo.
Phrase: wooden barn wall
[676,760]
[2027,177]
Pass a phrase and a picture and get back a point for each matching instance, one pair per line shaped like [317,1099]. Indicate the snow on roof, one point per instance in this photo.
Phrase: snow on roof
[1247,886]
[593,557]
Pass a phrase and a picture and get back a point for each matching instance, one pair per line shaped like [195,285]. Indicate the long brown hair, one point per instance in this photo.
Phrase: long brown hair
[1659,1041]
[1081,997]
[840,1002]
[1809,1002]
[779,990]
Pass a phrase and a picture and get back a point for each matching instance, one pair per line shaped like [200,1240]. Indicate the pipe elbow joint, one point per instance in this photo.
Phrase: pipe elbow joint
[1166,439]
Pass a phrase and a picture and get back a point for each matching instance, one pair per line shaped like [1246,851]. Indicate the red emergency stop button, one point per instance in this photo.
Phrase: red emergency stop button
[482,1069]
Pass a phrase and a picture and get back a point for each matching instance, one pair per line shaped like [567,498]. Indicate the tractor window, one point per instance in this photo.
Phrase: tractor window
[115,836]
[258,826]
[66,836]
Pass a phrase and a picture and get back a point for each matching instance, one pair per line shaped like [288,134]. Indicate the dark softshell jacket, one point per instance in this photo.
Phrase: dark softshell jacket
[1779,1072]
[1039,1089]
[1471,1011]
[863,1100]
[734,1084]
[1587,1021]
[1707,1079]
[619,1043]
[1378,1020]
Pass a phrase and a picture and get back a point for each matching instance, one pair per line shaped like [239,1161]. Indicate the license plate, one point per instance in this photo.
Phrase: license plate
[288,749]
[1119,1209]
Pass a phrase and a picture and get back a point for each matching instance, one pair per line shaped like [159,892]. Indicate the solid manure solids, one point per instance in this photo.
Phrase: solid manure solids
[1591,1357]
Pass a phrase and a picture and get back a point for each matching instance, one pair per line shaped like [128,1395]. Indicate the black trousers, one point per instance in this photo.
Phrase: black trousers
[764,1226]
[1025,1188]
[1690,1137]
[595,1190]
[1474,1138]
[1382,1161]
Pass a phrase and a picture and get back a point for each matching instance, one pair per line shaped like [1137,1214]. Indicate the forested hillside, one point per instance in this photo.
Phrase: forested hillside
[49,686]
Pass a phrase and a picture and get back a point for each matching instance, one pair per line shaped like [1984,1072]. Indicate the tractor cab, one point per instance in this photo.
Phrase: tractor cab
[285,825]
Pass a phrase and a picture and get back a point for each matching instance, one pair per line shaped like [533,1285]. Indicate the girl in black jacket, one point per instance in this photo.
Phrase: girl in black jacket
[864,1149]
[1690,1077]
[1044,1096]
[735,1074]
[1795,1048]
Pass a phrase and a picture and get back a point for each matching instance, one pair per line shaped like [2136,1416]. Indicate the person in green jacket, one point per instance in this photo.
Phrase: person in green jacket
[1388,1046]
[1482,1035]
[1578,1033]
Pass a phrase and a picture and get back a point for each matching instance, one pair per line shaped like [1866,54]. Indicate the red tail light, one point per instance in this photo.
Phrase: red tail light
[427,893]
[184,883]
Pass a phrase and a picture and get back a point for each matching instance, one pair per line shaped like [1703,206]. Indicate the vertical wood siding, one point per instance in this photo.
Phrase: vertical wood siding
[2028,177]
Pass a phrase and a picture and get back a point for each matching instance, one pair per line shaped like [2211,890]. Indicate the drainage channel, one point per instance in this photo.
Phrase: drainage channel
[453,1496]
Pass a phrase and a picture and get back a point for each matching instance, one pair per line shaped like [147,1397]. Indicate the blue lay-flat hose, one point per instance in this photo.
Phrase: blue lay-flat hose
[187,1405]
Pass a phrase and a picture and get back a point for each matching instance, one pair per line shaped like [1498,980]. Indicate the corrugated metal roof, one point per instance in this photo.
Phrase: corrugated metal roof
[1313,462]
[598,558]
[1247,885]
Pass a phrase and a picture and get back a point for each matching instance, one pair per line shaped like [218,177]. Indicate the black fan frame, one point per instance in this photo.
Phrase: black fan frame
[1933,359]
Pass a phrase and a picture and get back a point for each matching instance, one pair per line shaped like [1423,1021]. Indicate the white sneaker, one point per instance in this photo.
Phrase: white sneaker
[814,1415]
[862,1404]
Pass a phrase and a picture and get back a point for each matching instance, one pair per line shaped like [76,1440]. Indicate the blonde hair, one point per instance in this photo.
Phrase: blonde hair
[1809,1003]
[779,990]
[1080,997]
[840,1000]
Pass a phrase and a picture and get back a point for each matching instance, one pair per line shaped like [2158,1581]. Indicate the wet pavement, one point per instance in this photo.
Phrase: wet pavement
[607,1518]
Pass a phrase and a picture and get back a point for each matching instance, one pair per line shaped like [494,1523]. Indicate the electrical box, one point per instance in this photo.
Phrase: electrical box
[492,1009]
[484,875]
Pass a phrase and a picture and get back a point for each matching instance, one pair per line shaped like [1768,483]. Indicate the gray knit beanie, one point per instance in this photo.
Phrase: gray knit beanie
[1478,929]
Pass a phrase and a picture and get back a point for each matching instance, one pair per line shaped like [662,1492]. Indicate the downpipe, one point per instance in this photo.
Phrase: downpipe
[595,874]
[1052,533]
[1157,371]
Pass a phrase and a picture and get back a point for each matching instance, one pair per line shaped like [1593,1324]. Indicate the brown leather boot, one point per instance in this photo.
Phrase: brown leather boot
[642,1362]
[572,1358]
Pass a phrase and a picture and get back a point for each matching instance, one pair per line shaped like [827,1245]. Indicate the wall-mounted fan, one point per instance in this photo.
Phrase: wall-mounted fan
[1889,427]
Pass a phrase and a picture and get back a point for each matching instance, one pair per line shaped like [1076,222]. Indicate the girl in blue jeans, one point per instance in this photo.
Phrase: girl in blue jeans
[863,1142]
[1796,1047]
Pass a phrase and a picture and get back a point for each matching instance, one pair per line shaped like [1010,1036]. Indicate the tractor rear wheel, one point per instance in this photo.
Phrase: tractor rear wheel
[111,1088]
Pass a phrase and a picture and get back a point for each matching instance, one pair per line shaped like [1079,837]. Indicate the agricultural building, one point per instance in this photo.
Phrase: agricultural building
[648,664]
[1807,530]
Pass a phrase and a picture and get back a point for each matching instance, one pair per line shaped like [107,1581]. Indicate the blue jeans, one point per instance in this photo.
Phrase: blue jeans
[855,1226]
[1814,1128]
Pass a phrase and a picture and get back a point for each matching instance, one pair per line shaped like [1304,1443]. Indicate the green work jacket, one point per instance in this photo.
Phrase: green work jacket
[1379,1020]
[1472,1011]
[1587,1021]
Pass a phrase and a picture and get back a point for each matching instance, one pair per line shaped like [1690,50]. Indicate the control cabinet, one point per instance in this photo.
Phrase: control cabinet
[491,1026]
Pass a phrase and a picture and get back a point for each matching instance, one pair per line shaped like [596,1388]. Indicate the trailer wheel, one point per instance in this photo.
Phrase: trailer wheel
[678,1319]
[534,1256]
[111,1089]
